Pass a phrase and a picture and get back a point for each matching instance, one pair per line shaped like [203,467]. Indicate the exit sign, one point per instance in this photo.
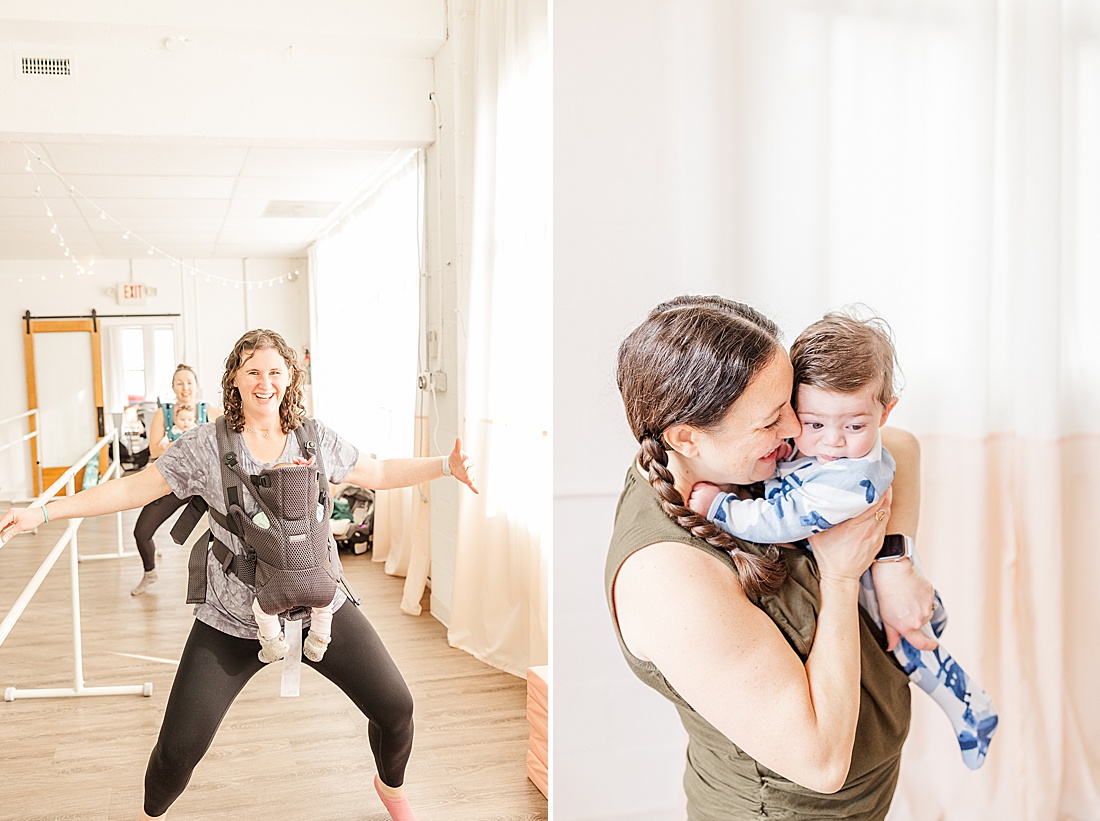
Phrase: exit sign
[131,293]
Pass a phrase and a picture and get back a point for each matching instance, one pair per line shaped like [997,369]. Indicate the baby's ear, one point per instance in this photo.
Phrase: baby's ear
[886,413]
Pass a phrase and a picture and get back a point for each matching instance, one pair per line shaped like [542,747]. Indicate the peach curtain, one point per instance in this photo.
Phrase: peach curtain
[940,163]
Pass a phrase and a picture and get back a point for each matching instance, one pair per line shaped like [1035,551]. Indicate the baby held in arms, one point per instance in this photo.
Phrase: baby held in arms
[836,469]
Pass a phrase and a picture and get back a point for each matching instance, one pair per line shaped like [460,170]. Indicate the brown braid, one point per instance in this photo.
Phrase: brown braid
[758,574]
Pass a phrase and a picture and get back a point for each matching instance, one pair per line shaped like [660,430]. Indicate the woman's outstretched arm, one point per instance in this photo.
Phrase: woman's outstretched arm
[679,608]
[135,490]
[391,473]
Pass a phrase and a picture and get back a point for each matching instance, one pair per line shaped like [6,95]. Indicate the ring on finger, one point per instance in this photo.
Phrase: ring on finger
[880,514]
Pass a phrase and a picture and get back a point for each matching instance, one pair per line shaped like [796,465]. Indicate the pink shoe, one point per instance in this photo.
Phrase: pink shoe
[398,808]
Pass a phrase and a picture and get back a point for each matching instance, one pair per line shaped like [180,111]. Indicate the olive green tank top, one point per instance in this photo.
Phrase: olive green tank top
[721,781]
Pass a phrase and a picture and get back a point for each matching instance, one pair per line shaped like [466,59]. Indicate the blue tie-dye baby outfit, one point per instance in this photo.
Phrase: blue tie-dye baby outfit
[807,496]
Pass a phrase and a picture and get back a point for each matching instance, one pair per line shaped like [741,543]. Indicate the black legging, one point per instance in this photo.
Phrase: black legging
[216,666]
[152,516]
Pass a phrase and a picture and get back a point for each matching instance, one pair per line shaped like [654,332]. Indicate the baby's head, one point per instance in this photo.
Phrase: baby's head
[184,418]
[297,460]
[843,385]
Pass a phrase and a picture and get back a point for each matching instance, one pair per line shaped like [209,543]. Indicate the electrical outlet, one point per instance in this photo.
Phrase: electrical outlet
[439,381]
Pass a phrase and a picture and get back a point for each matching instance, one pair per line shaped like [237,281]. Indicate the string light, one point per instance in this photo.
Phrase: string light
[151,249]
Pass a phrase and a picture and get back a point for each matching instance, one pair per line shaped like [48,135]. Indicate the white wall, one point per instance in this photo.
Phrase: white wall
[643,209]
[213,317]
[447,172]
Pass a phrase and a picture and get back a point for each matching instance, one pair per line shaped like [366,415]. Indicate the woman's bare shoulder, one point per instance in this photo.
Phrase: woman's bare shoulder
[668,586]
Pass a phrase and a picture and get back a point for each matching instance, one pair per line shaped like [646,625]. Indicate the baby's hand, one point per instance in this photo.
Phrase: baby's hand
[702,497]
[298,460]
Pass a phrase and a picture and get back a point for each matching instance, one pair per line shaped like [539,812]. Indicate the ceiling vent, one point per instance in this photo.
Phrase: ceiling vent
[42,66]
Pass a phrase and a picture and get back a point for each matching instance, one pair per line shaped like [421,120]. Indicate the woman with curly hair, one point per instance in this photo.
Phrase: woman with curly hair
[262,404]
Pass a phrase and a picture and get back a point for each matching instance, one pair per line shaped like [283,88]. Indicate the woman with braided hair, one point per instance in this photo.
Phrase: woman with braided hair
[791,708]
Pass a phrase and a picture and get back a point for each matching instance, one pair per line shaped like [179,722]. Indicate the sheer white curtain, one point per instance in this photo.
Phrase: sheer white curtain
[365,276]
[940,161]
[499,611]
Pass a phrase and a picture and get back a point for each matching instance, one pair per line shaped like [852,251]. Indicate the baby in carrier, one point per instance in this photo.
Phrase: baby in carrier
[185,419]
[273,645]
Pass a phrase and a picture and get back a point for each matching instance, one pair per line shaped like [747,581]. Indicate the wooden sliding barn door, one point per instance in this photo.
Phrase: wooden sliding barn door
[65,382]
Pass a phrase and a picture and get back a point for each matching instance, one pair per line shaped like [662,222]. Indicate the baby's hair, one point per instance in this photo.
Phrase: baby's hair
[844,352]
[184,409]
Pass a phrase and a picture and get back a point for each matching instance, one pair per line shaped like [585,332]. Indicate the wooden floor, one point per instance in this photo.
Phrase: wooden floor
[274,758]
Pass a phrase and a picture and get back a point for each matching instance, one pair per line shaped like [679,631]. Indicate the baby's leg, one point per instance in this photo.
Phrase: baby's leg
[967,705]
[272,644]
[320,632]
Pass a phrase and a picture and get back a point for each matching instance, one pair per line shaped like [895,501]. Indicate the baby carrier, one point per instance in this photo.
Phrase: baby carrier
[286,554]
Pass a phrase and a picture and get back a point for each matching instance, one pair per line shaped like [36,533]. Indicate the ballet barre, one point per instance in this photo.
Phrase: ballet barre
[68,539]
[26,438]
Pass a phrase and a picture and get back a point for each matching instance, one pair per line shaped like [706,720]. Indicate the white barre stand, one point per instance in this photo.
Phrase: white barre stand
[114,468]
[68,538]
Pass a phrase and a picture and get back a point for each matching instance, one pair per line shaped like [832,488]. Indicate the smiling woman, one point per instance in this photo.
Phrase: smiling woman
[262,383]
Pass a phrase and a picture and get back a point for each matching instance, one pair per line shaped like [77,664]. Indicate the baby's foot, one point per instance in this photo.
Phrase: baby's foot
[315,645]
[271,649]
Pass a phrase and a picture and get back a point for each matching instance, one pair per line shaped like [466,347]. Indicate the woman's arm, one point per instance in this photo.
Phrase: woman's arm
[680,609]
[391,473]
[135,490]
[157,444]
[904,595]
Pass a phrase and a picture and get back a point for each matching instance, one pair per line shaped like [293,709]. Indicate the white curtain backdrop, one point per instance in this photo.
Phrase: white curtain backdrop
[365,276]
[938,161]
[500,605]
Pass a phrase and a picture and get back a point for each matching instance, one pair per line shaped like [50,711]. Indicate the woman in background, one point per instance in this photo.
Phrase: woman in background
[162,433]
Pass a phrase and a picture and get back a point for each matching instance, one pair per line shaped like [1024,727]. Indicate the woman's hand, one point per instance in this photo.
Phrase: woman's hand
[20,520]
[905,602]
[847,549]
[461,466]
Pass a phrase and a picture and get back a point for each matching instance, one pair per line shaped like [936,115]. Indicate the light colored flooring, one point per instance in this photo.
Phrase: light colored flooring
[83,759]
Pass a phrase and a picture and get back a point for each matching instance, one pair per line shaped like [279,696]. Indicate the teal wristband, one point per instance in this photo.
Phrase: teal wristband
[46,513]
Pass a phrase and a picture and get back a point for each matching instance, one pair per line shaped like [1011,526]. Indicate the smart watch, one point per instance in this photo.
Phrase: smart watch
[895,546]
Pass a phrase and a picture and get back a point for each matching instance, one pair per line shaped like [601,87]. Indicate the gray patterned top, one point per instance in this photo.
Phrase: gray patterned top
[191,468]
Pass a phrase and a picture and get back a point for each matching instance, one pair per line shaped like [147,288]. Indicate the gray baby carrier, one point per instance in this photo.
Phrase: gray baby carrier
[287,562]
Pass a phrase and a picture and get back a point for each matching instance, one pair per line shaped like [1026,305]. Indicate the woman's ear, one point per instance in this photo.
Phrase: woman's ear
[886,413]
[681,438]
